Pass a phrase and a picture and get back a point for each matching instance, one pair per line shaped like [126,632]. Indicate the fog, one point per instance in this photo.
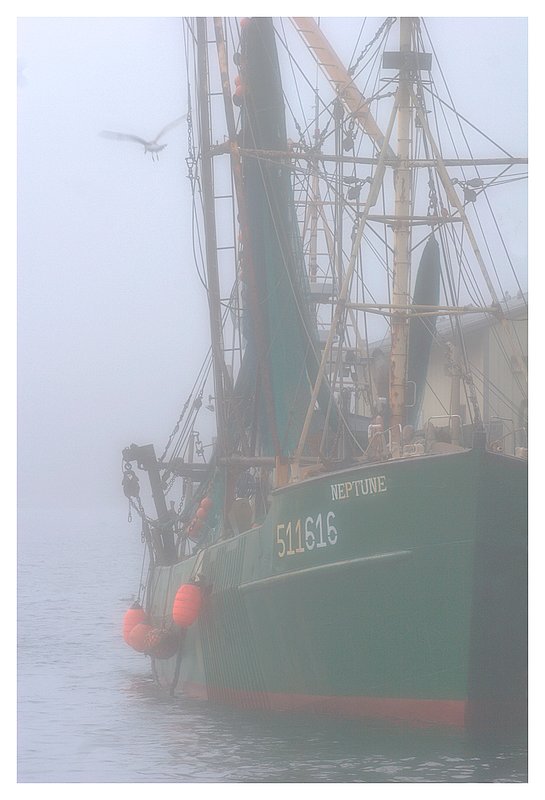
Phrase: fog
[112,320]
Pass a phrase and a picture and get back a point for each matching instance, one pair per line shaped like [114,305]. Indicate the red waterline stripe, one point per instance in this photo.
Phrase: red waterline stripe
[449,713]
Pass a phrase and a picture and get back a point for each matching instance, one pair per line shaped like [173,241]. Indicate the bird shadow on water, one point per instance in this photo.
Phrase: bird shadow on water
[205,742]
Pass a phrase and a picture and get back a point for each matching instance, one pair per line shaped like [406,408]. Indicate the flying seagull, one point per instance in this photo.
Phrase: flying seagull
[152,146]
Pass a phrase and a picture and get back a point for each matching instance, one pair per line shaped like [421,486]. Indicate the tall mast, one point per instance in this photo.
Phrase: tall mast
[400,285]
[207,182]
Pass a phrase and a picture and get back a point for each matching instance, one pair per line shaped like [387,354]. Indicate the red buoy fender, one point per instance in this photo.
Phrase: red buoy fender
[133,616]
[187,605]
[138,637]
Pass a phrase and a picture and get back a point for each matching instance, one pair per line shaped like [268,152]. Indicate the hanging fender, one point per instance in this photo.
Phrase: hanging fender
[187,605]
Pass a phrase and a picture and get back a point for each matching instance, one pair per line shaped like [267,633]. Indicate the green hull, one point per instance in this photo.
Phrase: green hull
[394,591]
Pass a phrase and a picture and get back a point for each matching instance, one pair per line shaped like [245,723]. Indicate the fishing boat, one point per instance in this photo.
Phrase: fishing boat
[353,538]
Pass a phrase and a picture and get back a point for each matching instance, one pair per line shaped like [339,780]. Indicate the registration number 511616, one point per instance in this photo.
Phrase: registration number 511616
[313,533]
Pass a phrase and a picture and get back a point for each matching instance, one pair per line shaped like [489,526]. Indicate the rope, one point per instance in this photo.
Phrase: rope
[166,594]
[178,666]
[141,585]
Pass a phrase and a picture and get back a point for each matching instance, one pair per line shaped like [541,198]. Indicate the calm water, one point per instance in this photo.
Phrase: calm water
[89,712]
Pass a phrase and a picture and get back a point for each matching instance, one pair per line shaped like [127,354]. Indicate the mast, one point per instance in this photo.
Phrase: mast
[207,182]
[342,299]
[401,271]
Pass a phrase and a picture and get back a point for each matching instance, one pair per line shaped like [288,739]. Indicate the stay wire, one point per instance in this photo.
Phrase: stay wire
[462,131]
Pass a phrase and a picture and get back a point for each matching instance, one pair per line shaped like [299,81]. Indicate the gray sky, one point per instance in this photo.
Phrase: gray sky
[112,319]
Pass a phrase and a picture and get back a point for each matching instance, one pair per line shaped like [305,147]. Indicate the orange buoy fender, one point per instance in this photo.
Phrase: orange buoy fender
[133,616]
[187,605]
[162,643]
[138,637]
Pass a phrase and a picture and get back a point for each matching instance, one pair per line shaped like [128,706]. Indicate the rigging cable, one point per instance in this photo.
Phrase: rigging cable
[495,333]
[459,118]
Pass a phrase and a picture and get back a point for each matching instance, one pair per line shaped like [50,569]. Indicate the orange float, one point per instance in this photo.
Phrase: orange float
[138,637]
[133,617]
[187,605]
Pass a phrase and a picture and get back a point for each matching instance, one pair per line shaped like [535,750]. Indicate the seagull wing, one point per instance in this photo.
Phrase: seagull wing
[170,126]
[124,137]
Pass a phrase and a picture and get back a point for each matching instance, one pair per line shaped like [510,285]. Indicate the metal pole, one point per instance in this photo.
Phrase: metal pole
[207,183]
[400,285]
[374,191]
